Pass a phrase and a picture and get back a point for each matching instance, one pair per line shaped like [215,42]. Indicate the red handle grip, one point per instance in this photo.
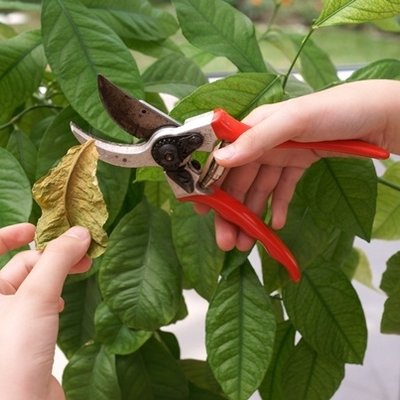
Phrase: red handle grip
[237,213]
[229,129]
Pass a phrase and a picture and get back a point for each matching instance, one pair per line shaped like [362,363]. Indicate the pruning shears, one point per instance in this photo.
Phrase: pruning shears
[170,145]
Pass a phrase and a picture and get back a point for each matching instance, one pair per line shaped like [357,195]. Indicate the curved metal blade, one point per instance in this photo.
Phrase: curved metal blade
[121,155]
[135,116]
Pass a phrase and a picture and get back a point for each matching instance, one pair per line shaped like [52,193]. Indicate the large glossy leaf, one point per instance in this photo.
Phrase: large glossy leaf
[15,196]
[237,95]
[57,140]
[22,63]
[174,74]
[114,183]
[79,47]
[196,248]
[15,191]
[326,310]
[91,375]
[387,218]
[311,241]
[381,69]
[134,19]
[310,376]
[220,29]
[140,276]
[117,337]
[69,195]
[356,11]
[343,191]
[76,320]
[317,68]
[199,373]
[240,330]
[152,374]
[391,285]
[272,385]
[23,149]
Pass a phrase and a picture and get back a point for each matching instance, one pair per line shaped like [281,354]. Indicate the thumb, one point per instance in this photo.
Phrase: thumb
[243,151]
[47,277]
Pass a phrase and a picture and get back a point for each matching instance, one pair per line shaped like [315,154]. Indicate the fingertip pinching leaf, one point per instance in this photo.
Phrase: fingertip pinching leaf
[69,195]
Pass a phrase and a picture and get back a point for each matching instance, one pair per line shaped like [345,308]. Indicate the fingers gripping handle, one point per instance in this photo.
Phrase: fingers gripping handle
[237,213]
[229,129]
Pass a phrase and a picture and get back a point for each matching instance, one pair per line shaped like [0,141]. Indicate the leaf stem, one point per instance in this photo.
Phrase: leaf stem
[27,110]
[391,185]
[303,43]
[271,21]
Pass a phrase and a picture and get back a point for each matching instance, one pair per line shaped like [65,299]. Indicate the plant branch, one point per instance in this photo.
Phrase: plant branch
[27,110]
[303,43]
[391,185]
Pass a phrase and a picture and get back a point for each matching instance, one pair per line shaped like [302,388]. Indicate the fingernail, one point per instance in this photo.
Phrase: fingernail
[77,232]
[224,153]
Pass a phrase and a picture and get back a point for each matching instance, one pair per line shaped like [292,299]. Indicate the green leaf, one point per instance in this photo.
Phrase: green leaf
[220,29]
[114,184]
[174,74]
[357,267]
[152,374]
[140,276]
[76,320]
[196,249]
[22,63]
[117,337]
[387,218]
[317,68]
[91,375]
[199,373]
[389,25]
[237,95]
[6,31]
[390,322]
[159,194]
[272,386]
[197,393]
[326,310]
[343,192]
[311,241]
[18,5]
[15,189]
[23,149]
[356,11]
[391,277]
[240,330]
[310,376]
[77,44]
[381,69]
[134,19]
[57,140]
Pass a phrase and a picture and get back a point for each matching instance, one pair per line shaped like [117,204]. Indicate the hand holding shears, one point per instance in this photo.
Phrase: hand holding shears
[170,145]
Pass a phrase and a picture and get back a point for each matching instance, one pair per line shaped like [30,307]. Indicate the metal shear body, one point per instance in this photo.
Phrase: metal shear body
[171,146]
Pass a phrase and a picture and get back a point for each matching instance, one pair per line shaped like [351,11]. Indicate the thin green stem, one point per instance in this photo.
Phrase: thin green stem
[303,43]
[27,110]
[391,185]
[271,21]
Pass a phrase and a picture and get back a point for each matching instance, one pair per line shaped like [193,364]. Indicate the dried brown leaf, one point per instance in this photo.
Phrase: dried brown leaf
[69,195]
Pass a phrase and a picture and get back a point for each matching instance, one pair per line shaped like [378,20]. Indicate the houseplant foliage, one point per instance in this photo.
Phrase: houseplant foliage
[114,329]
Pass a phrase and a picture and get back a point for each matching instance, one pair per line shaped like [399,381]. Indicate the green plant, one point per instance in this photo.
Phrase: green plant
[114,329]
